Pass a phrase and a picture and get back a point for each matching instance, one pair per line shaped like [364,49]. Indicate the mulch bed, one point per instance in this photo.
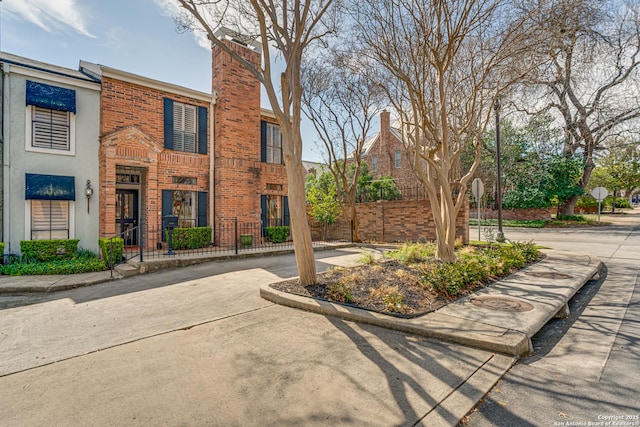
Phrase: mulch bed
[369,286]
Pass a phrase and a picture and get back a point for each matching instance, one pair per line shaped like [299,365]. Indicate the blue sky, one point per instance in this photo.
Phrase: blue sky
[138,36]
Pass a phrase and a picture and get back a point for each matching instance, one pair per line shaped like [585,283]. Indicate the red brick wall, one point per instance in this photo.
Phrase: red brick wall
[240,176]
[132,134]
[403,220]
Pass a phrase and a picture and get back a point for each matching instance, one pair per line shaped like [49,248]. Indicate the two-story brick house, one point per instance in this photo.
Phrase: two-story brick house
[50,122]
[167,149]
[385,154]
[154,159]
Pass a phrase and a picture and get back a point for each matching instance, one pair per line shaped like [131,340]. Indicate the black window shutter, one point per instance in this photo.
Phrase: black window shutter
[202,130]
[167,208]
[285,210]
[263,141]
[263,213]
[168,123]
[202,209]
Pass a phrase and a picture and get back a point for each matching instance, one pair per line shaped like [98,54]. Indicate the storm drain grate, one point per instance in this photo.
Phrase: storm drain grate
[511,305]
[548,275]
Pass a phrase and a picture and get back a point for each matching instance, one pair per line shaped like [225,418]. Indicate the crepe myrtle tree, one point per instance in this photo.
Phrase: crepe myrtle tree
[443,65]
[341,101]
[289,27]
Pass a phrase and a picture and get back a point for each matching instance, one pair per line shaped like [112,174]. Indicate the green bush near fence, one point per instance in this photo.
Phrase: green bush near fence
[1,248]
[277,234]
[112,250]
[84,261]
[48,250]
[190,238]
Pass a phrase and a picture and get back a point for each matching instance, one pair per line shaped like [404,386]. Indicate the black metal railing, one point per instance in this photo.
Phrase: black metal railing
[227,237]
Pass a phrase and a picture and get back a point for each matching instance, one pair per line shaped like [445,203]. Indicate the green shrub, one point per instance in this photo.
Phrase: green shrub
[47,250]
[621,202]
[341,291]
[412,253]
[64,266]
[1,248]
[476,266]
[190,238]
[83,262]
[277,234]
[112,250]
[367,258]
[587,201]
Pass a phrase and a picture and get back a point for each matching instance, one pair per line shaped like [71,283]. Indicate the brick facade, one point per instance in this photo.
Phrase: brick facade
[403,220]
[132,140]
[241,175]
[383,147]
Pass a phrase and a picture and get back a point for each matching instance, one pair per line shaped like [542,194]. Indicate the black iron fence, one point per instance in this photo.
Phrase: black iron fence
[405,192]
[229,237]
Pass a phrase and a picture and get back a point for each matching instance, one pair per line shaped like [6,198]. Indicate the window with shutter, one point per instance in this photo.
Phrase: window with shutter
[50,130]
[184,127]
[49,219]
[274,144]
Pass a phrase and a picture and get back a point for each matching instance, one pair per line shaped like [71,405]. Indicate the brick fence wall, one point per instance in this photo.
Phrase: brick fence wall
[403,220]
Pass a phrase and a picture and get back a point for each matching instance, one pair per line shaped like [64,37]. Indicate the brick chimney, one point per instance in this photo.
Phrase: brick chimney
[385,124]
[237,132]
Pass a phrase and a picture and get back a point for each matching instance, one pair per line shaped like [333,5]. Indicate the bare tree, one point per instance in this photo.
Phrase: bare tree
[590,55]
[341,101]
[291,26]
[443,64]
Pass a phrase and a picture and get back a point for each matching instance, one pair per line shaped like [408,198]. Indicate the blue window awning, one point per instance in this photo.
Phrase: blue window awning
[52,97]
[50,187]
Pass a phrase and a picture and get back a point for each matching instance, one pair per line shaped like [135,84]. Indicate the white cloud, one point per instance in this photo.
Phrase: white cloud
[49,15]
[172,9]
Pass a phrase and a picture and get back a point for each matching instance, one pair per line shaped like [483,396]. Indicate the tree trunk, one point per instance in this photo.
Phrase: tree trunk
[300,231]
[568,206]
[354,222]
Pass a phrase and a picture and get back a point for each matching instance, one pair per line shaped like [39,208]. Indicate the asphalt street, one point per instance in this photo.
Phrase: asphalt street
[585,369]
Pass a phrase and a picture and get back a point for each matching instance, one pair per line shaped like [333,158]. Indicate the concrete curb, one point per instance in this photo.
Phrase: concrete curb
[464,323]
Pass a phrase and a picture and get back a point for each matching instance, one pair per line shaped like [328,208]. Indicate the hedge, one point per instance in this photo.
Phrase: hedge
[277,234]
[111,249]
[190,238]
[48,250]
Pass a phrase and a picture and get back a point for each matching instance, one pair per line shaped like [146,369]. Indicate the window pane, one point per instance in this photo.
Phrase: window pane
[49,219]
[50,129]
[184,206]
[184,127]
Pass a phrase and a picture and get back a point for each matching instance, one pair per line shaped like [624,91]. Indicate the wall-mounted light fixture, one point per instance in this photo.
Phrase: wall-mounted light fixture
[88,191]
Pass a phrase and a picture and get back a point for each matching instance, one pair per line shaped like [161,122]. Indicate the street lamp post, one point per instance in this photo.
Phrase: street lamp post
[500,235]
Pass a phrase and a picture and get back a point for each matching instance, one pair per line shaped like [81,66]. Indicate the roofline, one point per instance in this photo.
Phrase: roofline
[155,84]
[44,69]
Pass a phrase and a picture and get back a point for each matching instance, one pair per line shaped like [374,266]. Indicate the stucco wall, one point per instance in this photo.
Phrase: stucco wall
[83,165]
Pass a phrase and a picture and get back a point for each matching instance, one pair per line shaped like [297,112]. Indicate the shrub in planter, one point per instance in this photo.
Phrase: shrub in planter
[277,234]
[190,238]
[111,250]
[47,250]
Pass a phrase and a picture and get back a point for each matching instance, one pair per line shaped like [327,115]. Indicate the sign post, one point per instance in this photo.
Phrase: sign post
[599,193]
[477,188]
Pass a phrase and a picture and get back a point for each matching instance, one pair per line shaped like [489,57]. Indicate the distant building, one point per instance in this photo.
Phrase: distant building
[385,154]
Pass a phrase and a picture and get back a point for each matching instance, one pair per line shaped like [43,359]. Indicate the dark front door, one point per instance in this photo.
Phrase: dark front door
[127,215]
